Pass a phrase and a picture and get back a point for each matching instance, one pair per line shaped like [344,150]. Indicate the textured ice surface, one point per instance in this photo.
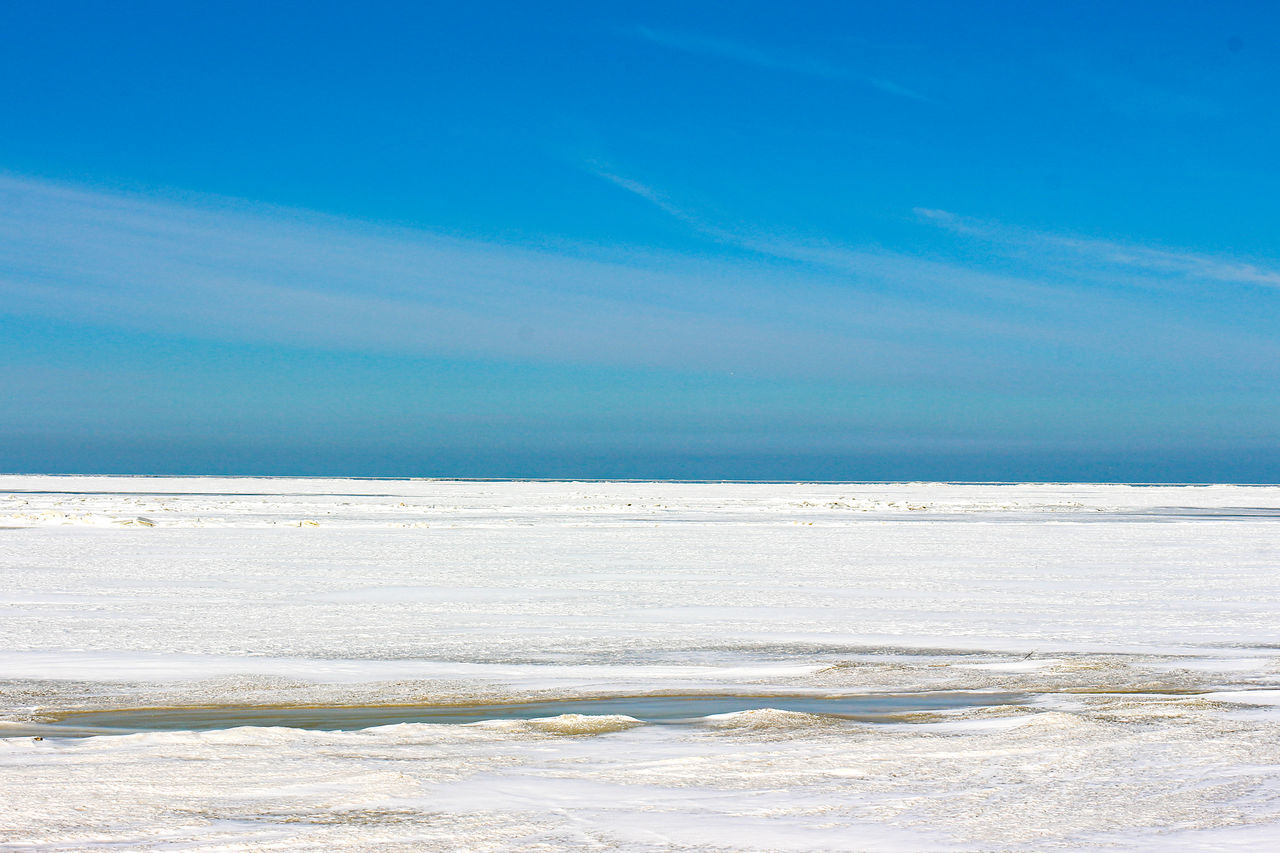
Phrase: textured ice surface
[1139,624]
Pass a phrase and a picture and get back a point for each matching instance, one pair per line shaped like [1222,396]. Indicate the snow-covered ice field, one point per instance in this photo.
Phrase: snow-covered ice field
[282,664]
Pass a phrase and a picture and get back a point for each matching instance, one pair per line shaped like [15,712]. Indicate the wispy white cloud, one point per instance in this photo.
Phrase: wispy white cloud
[233,271]
[1108,256]
[760,304]
[662,202]
[643,191]
[769,58]
[1049,301]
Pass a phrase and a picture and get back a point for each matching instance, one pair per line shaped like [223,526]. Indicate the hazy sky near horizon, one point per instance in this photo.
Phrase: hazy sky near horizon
[744,240]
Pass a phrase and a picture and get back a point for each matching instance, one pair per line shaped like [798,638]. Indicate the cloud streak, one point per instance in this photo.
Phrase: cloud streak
[1104,256]
[230,271]
[746,54]
[763,306]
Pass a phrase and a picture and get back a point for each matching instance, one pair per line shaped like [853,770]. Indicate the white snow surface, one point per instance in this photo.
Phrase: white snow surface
[1132,631]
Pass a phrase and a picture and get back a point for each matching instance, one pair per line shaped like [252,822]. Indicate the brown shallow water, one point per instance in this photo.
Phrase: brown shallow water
[662,708]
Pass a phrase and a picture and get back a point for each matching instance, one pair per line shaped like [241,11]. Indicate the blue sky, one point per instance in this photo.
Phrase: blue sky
[844,241]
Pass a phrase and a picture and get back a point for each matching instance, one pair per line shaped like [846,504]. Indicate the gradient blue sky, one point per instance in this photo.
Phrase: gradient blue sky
[742,240]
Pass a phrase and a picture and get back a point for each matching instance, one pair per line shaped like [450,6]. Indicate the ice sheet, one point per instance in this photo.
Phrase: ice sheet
[1139,622]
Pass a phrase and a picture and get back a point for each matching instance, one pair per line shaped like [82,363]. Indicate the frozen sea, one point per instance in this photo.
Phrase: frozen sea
[303,664]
